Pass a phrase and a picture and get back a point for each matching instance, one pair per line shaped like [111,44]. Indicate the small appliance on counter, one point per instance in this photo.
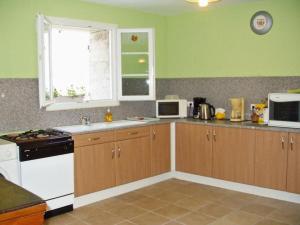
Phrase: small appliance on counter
[284,110]
[197,101]
[47,167]
[237,109]
[206,111]
[171,108]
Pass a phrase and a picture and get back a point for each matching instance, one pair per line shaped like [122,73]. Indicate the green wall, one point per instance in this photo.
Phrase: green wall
[210,43]
[219,42]
[18,48]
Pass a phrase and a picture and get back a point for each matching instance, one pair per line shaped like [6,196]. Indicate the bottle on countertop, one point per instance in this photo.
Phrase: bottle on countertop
[108,117]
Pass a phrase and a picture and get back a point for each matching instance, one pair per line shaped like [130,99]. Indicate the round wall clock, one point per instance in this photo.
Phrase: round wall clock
[261,22]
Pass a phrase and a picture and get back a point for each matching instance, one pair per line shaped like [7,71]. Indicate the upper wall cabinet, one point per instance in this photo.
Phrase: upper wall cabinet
[136,64]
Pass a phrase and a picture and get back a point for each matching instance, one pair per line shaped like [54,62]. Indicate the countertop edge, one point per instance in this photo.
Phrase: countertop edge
[217,123]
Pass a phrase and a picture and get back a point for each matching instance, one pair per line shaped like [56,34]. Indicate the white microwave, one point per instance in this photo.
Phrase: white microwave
[171,108]
[284,110]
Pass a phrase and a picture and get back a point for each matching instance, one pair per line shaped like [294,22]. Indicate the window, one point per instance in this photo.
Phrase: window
[77,64]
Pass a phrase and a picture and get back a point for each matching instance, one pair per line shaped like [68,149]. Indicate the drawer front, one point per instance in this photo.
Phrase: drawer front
[129,133]
[93,138]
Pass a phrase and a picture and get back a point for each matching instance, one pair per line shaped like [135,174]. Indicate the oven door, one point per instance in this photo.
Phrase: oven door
[50,177]
[284,110]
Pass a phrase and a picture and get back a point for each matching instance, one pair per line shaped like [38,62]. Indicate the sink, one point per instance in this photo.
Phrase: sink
[99,126]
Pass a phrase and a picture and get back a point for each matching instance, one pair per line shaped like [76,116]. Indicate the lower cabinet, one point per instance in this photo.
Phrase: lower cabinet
[233,154]
[277,160]
[107,159]
[133,160]
[94,168]
[223,153]
[271,159]
[194,149]
[293,179]
[160,149]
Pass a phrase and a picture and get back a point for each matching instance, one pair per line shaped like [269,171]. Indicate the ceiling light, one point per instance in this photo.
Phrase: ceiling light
[202,3]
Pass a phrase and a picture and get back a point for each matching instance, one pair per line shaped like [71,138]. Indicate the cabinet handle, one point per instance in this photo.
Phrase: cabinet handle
[94,139]
[153,134]
[215,135]
[119,152]
[113,153]
[208,135]
[292,143]
[282,142]
[133,133]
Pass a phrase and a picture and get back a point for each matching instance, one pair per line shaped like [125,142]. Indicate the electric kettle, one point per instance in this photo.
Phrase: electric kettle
[206,111]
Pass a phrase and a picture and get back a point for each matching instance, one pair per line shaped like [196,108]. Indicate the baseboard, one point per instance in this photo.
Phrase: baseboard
[122,189]
[250,189]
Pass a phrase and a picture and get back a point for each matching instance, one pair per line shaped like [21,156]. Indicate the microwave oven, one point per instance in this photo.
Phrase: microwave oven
[284,110]
[171,108]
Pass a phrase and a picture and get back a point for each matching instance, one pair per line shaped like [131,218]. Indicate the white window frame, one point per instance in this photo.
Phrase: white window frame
[50,105]
[151,43]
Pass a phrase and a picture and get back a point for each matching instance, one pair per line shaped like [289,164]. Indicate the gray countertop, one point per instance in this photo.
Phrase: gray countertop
[14,197]
[244,124]
[220,123]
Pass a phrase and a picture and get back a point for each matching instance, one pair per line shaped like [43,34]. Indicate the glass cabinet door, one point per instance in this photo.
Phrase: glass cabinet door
[136,64]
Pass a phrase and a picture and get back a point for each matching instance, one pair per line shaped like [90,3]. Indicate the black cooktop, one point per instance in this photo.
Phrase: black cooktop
[37,136]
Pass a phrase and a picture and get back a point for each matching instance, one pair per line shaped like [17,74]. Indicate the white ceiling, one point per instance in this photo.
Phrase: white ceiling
[164,7]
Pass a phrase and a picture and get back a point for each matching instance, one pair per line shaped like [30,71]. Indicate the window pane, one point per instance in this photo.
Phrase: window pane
[100,83]
[135,64]
[134,42]
[81,64]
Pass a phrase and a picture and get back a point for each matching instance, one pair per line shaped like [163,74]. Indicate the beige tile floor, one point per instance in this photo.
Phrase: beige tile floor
[176,202]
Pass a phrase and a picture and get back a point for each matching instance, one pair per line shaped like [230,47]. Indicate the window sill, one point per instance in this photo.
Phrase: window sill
[80,105]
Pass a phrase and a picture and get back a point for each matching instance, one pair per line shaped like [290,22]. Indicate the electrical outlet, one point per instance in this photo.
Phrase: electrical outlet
[190,104]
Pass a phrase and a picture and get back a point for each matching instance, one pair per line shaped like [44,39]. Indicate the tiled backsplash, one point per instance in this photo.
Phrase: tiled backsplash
[20,107]
[219,90]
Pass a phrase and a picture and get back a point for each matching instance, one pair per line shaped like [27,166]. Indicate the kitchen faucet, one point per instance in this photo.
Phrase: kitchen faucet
[85,120]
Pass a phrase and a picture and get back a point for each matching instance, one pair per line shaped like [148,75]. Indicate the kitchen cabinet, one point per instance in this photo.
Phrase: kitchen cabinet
[133,160]
[160,149]
[106,159]
[271,159]
[277,160]
[293,174]
[94,168]
[233,154]
[223,153]
[194,149]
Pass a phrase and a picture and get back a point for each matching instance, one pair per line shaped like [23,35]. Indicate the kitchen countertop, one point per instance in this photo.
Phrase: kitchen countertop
[14,197]
[244,124]
[221,123]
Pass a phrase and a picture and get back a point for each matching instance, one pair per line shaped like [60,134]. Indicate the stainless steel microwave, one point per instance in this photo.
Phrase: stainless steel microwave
[171,108]
[284,110]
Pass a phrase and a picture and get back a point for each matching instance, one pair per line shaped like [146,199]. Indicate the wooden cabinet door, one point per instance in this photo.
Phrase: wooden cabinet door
[133,160]
[271,159]
[193,149]
[94,168]
[293,174]
[233,154]
[160,149]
